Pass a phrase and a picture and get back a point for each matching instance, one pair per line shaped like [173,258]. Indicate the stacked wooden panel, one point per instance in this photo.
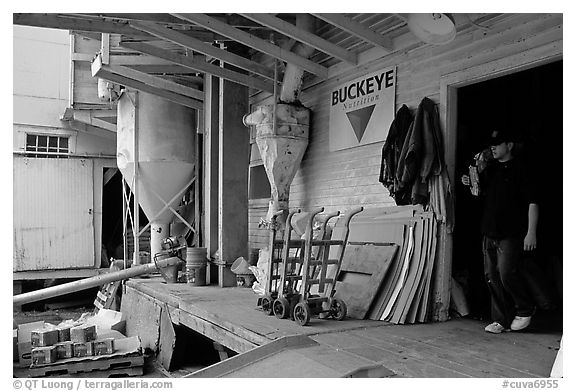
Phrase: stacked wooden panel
[387,269]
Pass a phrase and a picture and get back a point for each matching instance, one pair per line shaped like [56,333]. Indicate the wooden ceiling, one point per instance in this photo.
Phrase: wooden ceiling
[170,53]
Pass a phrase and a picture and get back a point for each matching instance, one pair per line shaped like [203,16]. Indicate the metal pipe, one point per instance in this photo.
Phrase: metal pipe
[71,74]
[91,282]
[136,226]
[125,207]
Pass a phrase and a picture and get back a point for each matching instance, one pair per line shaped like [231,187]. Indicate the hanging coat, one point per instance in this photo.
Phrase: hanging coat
[393,147]
[422,155]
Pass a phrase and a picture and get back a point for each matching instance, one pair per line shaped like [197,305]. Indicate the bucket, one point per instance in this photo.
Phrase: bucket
[196,255]
[196,266]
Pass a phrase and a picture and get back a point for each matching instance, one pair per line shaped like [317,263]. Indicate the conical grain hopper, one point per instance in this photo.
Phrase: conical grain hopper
[281,146]
[165,155]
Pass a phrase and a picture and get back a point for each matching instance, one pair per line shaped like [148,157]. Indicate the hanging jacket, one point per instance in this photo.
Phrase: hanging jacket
[422,155]
[393,147]
[433,152]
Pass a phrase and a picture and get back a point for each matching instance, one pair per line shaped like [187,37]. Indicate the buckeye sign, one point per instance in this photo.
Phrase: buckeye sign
[362,110]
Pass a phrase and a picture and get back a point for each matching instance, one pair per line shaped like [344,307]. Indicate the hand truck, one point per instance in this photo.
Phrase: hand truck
[290,272]
[314,273]
[276,267]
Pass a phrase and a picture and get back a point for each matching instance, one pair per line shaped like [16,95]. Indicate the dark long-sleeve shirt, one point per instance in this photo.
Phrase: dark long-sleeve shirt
[507,195]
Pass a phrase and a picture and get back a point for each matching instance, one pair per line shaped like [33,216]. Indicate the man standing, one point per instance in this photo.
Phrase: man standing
[509,220]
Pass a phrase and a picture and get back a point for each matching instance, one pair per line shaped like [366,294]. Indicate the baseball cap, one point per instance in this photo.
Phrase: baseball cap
[500,136]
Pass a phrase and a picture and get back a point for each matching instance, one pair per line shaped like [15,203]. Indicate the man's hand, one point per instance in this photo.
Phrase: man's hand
[466,180]
[530,242]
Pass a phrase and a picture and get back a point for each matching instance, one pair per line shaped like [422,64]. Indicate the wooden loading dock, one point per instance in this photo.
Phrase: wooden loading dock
[328,348]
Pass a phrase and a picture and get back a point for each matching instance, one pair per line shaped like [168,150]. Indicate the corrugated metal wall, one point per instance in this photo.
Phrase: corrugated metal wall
[342,179]
[53,214]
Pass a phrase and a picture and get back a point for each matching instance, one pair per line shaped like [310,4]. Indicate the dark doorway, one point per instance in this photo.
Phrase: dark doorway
[111,215]
[530,102]
[112,219]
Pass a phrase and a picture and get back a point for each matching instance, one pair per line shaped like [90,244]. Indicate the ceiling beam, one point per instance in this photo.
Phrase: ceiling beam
[231,19]
[56,21]
[157,82]
[168,69]
[136,59]
[204,48]
[357,29]
[303,36]
[255,43]
[200,65]
[103,71]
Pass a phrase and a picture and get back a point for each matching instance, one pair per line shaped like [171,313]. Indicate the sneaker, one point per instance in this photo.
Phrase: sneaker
[520,322]
[495,328]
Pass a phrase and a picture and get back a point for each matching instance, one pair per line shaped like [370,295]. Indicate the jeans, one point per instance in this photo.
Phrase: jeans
[509,294]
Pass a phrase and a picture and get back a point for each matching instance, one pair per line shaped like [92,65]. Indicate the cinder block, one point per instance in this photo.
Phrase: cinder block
[64,334]
[104,346]
[43,355]
[84,349]
[43,337]
[64,349]
[83,333]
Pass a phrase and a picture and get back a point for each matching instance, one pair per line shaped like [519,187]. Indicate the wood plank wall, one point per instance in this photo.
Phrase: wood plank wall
[85,86]
[342,179]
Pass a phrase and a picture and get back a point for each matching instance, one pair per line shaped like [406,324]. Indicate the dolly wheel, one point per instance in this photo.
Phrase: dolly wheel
[267,304]
[302,314]
[338,309]
[280,308]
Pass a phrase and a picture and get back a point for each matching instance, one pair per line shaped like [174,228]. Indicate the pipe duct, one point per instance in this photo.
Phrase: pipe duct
[282,129]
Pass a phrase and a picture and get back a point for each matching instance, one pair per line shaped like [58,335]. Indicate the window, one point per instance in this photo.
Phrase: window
[47,146]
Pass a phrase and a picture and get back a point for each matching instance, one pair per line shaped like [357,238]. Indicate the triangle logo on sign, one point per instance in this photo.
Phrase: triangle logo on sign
[359,120]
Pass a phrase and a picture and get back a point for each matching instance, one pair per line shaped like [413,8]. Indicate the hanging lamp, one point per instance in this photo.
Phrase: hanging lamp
[433,28]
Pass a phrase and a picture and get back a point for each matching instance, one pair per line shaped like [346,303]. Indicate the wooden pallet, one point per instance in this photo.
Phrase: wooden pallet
[118,372]
[98,368]
[111,373]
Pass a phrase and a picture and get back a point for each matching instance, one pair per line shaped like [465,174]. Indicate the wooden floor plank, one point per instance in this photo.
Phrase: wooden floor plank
[397,360]
[445,356]
[501,356]
[504,349]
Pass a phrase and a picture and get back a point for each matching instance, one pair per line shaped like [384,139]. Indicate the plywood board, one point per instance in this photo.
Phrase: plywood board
[396,303]
[418,297]
[142,317]
[387,285]
[423,310]
[396,285]
[362,272]
[167,339]
[414,279]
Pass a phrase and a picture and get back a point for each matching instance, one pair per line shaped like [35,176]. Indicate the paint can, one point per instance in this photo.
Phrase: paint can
[196,258]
